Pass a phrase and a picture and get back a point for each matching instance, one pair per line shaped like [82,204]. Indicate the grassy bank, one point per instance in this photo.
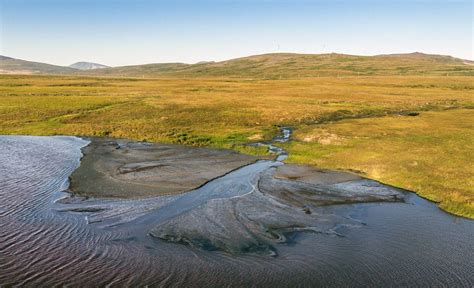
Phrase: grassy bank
[430,153]
[357,123]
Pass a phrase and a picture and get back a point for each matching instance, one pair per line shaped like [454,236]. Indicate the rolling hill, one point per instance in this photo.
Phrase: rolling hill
[272,66]
[286,65]
[16,66]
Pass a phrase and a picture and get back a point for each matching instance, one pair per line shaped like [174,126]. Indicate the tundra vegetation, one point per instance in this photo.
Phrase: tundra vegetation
[414,131]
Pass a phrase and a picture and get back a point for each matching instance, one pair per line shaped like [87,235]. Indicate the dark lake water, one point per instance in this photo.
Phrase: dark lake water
[396,244]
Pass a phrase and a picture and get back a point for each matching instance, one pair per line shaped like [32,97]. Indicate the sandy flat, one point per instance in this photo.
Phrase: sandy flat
[126,169]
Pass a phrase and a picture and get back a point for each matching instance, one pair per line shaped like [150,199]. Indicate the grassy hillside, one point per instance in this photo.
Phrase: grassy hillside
[360,123]
[270,66]
[16,66]
[285,66]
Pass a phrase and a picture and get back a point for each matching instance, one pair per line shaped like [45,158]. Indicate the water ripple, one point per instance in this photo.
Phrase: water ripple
[41,244]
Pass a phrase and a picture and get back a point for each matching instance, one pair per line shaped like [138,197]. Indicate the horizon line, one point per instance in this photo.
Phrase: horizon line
[241,57]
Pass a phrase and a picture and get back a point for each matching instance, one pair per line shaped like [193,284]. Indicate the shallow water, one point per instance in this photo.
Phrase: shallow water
[391,244]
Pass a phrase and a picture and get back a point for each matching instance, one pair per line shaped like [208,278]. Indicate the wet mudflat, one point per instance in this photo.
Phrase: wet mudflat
[230,204]
[128,169]
[232,228]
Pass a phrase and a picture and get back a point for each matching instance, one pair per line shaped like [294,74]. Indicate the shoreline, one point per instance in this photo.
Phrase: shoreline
[238,204]
[350,172]
[399,240]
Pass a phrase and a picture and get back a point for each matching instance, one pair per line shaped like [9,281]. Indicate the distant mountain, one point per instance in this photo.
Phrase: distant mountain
[269,66]
[87,66]
[16,66]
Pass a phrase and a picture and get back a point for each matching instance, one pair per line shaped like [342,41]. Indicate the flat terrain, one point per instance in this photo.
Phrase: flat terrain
[361,123]
[124,169]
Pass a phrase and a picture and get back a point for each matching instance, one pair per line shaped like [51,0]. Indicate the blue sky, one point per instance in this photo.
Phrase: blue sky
[118,32]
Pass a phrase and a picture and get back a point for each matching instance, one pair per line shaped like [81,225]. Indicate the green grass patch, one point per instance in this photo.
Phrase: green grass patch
[430,153]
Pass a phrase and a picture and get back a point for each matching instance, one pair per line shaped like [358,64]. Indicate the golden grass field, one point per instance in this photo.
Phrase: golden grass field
[358,123]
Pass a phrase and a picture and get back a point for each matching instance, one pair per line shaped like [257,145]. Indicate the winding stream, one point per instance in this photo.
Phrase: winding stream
[48,238]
